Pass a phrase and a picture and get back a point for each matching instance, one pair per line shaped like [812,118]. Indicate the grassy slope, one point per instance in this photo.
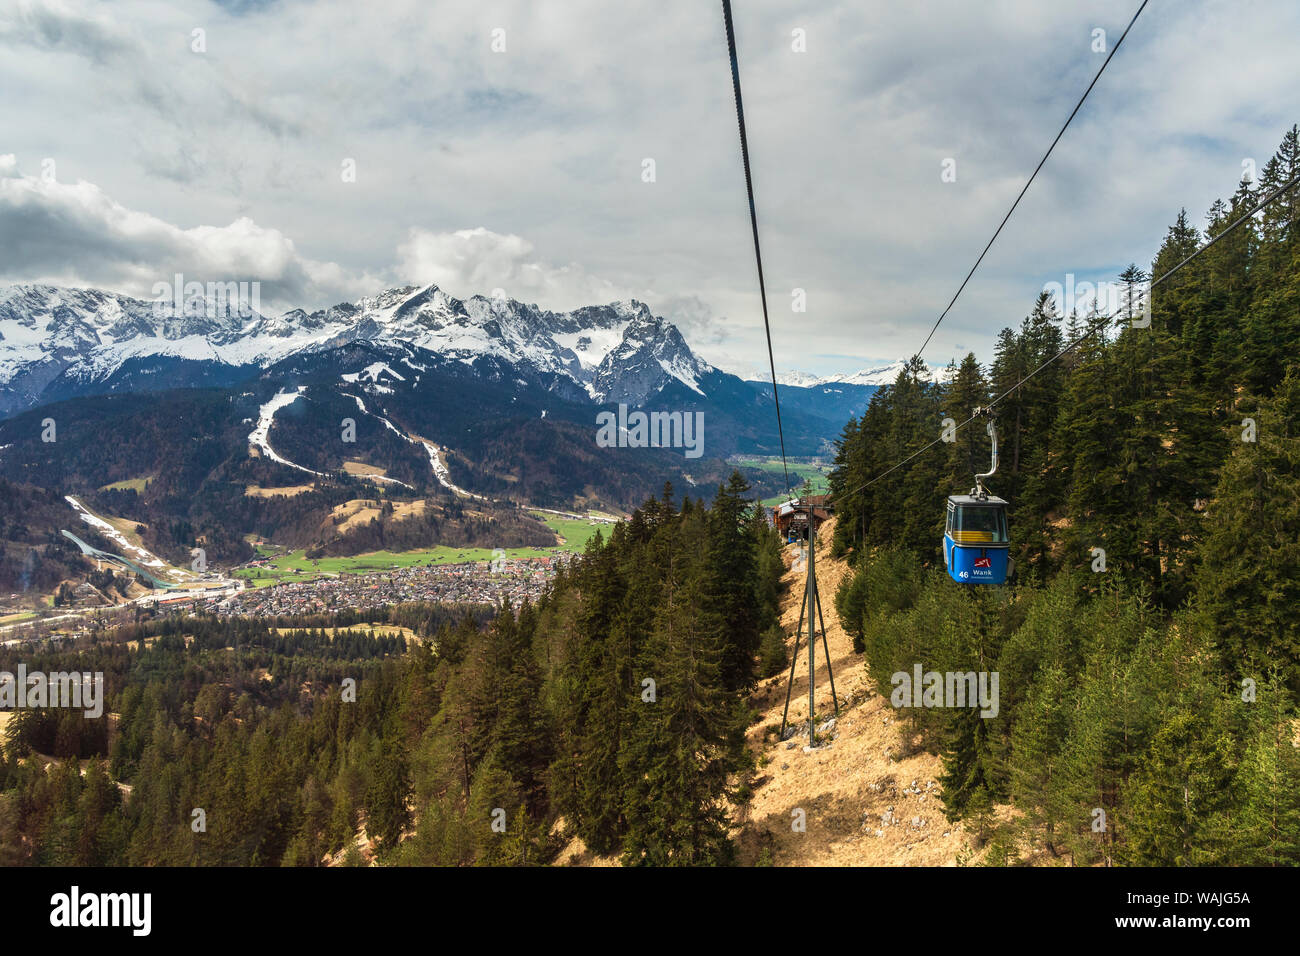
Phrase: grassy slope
[576,534]
[799,472]
[130,484]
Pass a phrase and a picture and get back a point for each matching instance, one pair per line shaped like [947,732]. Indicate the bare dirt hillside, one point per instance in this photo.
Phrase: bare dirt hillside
[861,806]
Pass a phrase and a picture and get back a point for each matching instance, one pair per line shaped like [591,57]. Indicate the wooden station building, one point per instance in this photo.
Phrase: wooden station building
[791,517]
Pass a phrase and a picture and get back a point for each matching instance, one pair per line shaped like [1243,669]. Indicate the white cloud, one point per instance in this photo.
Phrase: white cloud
[475,261]
[76,234]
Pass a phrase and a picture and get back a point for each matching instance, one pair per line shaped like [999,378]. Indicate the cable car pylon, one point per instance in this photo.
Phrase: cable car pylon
[812,606]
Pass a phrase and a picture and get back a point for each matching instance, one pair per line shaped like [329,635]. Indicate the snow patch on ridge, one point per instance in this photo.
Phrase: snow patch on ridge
[592,345]
[881,375]
[259,437]
[435,461]
[371,373]
[138,554]
[443,475]
[684,371]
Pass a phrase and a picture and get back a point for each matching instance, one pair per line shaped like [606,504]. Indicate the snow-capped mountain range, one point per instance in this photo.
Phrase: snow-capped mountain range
[883,375]
[57,341]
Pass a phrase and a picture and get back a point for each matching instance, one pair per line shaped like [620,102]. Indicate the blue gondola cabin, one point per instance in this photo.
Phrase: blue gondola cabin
[975,545]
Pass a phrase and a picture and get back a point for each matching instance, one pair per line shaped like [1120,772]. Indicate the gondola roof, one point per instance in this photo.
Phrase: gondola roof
[977,502]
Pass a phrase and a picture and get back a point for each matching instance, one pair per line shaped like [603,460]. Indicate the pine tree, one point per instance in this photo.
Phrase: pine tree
[1266,825]
[1177,802]
[585,778]
[1272,327]
[1090,430]
[849,472]
[1249,577]
[731,567]
[521,738]
[1040,731]
[968,453]
[387,814]
[686,742]
[1011,364]
[768,568]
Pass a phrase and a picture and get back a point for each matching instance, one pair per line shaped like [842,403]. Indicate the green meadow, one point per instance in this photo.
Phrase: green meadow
[296,566]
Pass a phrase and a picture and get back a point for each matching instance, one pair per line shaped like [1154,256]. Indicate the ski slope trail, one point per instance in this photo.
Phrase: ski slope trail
[443,475]
[433,451]
[260,437]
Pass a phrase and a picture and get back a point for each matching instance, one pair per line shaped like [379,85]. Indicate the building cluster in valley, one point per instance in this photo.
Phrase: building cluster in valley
[465,583]
[468,583]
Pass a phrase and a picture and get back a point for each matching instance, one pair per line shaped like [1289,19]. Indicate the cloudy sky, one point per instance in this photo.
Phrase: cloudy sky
[133,147]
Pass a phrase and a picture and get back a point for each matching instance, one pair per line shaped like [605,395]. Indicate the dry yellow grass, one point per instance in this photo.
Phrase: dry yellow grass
[151,641]
[575,853]
[362,470]
[127,527]
[380,630]
[253,491]
[354,514]
[359,511]
[408,509]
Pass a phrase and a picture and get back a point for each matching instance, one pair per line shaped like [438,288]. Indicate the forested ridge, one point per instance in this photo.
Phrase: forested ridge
[1148,648]
[187,450]
[613,710]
